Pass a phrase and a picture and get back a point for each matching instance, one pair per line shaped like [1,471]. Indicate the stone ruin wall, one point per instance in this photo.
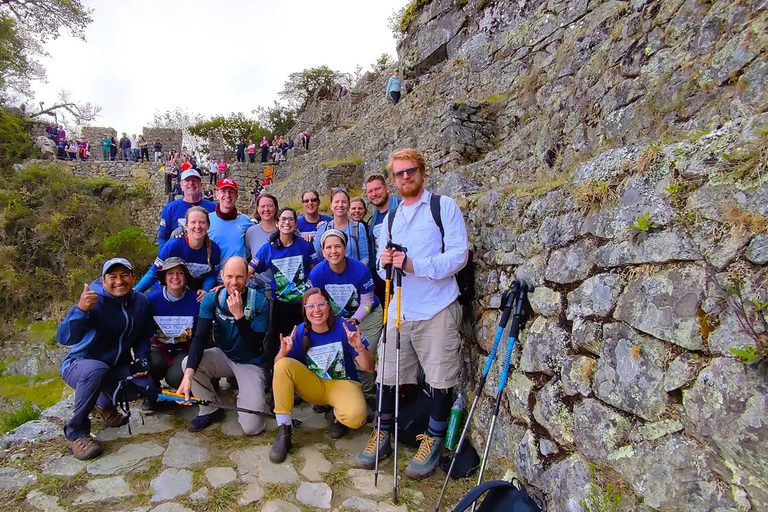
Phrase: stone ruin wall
[170,137]
[557,126]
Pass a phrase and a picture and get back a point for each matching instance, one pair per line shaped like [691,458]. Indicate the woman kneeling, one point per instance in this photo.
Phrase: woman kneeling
[317,362]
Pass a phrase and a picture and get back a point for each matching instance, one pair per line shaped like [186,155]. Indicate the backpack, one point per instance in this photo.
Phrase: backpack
[502,496]
[465,278]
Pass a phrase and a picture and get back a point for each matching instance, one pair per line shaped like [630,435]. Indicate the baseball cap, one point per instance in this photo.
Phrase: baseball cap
[113,262]
[226,182]
[190,173]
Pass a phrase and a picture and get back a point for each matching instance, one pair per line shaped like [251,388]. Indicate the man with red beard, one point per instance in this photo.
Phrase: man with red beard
[228,227]
[431,314]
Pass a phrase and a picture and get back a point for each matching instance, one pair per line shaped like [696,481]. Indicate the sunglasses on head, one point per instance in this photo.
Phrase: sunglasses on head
[410,172]
[338,189]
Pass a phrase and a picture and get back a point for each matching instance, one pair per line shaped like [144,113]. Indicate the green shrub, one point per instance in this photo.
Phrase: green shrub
[411,13]
[15,143]
[11,420]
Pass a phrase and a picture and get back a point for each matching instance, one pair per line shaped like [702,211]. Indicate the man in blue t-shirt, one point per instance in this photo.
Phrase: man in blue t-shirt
[228,227]
[241,316]
[174,212]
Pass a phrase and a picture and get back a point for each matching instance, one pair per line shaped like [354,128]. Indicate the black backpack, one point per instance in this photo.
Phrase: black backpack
[465,278]
[502,496]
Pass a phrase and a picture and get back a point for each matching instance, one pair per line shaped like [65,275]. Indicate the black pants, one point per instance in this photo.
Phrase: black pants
[395,97]
[213,178]
[144,154]
[159,369]
[240,157]
[251,157]
[285,316]
[264,154]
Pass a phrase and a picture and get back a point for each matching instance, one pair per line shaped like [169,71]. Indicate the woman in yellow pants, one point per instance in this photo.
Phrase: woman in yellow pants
[317,361]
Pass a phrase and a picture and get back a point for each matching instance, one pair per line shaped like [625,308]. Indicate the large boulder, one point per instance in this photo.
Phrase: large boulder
[47,148]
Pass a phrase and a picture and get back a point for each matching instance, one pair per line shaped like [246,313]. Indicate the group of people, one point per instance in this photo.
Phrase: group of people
[285,303]
[277,150]
[67,149]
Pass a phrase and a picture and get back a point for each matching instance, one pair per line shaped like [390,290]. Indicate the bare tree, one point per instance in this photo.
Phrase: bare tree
[81,113]
[182,119]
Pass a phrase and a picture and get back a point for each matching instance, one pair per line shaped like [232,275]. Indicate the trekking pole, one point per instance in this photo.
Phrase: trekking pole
[514,330]
[507,302]
[387,287]
[398,302]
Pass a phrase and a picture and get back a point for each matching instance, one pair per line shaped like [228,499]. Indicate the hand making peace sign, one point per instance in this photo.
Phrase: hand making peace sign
[353,337]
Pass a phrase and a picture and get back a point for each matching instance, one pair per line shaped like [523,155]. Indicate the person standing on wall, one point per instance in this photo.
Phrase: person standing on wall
[106,142]
[125,147]
[264,148]
[158,150]
[143,149]
[430,312]
[393,87]
[240,150]
[379,195]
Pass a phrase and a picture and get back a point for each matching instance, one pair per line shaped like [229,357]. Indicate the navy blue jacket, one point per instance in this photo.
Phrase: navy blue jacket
[110,330]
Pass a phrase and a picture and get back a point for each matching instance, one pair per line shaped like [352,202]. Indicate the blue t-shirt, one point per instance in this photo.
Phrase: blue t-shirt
[346,288]
[310,228]
[175,321]
[290,268]
[229,235]
[331,356]
[173,216]
[357,240]
[203,272]
[255,308]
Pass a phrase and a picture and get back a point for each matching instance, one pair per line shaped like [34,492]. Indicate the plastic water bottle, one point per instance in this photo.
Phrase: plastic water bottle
[454,424]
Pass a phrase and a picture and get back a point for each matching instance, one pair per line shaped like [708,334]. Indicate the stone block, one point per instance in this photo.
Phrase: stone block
[598,429]
[577,375]
[551,412]
[545,301]
[630,372]
[545,347]
[572,263]
[587,335]
[680,372]
[595,297]
[666,305]
[661,247]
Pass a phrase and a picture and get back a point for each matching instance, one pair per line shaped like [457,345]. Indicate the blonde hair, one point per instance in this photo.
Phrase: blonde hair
[410,155]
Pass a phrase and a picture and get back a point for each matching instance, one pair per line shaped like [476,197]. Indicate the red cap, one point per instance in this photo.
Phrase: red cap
[226,182]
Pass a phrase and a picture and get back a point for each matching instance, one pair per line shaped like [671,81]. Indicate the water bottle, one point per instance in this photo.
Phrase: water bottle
[454,424]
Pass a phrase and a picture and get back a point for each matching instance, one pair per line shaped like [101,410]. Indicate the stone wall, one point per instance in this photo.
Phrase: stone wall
[613,155]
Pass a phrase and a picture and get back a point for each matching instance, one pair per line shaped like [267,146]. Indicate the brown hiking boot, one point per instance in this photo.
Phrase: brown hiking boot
[111,417]
[282,445]
[84,448]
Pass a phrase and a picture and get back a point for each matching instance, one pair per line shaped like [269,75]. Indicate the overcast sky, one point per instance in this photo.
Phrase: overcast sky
[210,57]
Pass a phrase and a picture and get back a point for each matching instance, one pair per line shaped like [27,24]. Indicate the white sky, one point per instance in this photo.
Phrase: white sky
[208,56]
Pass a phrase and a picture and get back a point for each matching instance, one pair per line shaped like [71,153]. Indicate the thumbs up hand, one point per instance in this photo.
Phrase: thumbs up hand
[88,299]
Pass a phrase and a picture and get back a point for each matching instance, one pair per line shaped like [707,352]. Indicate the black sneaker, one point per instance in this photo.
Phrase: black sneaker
[337,429]
[148,405]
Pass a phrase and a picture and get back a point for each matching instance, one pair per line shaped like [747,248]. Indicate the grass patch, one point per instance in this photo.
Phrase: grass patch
[338,478]
[278,492]
[411,13]
[224,498]
[11,420]
[539,188]
[334,454]
[42,390]
[350,160]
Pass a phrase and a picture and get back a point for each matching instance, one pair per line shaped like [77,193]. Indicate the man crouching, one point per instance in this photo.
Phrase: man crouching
[241,317]
[109,330]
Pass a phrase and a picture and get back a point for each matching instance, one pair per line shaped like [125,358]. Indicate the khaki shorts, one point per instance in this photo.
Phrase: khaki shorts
[434,344]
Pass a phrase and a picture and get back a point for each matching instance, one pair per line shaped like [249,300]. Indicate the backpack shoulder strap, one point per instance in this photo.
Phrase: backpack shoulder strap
[475,494]
[391,220]
[434,207]
[356,235]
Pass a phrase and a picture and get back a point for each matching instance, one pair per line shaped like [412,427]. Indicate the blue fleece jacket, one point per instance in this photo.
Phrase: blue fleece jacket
[110,330]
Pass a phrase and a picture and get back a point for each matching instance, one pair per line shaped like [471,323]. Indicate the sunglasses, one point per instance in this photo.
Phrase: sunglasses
[312,200]
[410,172]
[338,189]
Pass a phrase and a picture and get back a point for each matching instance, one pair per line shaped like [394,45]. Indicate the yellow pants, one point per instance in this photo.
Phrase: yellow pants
[345,396]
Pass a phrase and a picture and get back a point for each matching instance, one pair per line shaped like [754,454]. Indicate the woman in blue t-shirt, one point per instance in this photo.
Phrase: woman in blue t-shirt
[291,258]
[317,361]
[174,310]
[201,254]
[350,285]
[310,200]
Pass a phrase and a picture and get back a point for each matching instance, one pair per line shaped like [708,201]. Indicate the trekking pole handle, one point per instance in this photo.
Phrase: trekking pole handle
[507,301]
[514,331]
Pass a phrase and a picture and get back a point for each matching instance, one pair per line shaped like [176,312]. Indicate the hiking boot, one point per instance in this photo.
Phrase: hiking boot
[205,420]
[367,458]
[337,429]
[322,409]
[282,445]
[425,461]
[111,417]
[148,405]
[84,448]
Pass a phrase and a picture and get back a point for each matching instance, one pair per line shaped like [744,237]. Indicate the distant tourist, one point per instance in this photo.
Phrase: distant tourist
[84,150]
[106,147]
[251,152]
[393,88]
[125,147]
[72,147]
[143,148]
[213,169]
[222,167]
[158,151]
[264,146]
[113,149]
[134,148]
[240,150]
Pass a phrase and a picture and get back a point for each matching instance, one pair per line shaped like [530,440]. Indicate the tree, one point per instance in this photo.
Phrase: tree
[181,119]
[25,26]
[381,64]
[278,119]
[73,114]
[301,86]
[356,75]
[230,128]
